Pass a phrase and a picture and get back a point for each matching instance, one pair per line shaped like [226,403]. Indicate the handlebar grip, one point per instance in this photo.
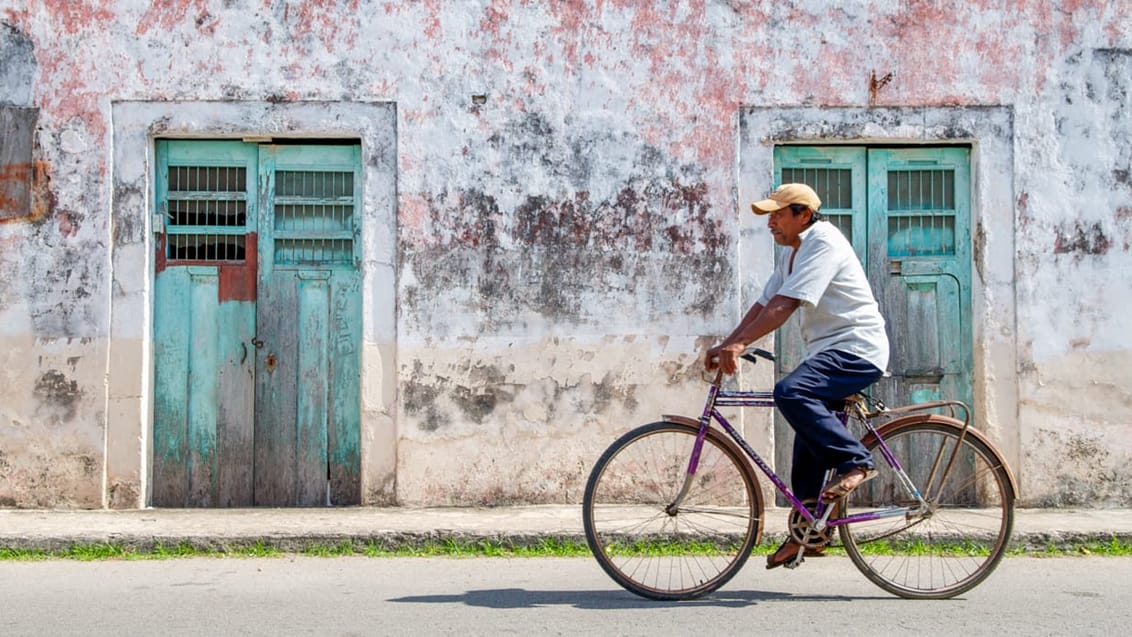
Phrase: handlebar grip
[753,355]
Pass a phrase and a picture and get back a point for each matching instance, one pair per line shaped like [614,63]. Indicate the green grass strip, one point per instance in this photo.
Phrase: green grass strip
[548,547]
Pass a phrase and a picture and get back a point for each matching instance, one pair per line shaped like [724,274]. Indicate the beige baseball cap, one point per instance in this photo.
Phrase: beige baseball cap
[785,195]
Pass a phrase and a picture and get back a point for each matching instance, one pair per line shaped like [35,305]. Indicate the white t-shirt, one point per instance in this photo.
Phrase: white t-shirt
[838,309]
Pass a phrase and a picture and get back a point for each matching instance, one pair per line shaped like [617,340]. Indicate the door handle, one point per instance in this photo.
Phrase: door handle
[929,375]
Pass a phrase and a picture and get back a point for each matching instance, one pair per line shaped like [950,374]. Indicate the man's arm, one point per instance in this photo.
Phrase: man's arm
[758,322]
[745,324]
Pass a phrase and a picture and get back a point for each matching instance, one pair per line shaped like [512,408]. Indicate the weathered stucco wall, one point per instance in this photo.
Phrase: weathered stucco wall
[564,249]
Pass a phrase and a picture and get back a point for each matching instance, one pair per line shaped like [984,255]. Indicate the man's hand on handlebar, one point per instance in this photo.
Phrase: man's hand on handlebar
[724,357]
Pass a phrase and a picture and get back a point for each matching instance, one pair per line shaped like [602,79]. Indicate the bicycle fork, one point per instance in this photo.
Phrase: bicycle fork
[674,507]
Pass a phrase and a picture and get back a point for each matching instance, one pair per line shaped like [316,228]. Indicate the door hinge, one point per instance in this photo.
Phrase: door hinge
[159,218]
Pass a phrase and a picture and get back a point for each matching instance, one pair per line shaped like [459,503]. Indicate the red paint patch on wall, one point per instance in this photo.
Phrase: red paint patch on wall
[432,23]
[15,191]
[165,15]
[75,16]
[41,200]
[68,223]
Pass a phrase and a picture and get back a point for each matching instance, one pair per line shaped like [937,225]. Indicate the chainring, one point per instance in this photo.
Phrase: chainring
[803,532]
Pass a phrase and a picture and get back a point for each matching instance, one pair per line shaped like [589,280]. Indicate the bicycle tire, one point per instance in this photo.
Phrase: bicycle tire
[671,556]
[971,500]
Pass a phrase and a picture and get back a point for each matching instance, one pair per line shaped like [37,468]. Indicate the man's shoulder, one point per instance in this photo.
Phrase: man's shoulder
[824,233]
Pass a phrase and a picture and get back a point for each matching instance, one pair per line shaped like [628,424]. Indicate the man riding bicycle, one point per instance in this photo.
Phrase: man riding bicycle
[846,345]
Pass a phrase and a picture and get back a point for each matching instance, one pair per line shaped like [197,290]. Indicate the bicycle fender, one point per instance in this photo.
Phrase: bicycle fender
[884,429]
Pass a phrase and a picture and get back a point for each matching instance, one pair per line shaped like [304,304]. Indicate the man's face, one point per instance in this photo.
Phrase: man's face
[785,225]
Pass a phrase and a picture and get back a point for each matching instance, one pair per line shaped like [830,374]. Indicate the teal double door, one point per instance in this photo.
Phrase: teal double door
[907,213]
[256,325]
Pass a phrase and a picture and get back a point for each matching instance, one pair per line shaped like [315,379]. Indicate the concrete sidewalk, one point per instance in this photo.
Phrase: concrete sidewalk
[295,529]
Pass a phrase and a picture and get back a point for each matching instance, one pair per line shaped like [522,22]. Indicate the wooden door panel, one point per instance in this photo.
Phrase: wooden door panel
[234,403]
[172,350]
[277,384]
[308,408]
[202,397]
[927,353]
[312,421]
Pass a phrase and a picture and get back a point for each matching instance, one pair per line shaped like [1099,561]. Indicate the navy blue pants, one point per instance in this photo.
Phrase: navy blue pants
[806,398]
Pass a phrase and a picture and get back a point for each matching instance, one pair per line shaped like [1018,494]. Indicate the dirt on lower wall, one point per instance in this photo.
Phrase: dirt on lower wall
[1075,417]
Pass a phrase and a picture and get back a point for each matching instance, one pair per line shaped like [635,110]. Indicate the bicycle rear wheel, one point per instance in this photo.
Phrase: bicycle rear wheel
[954,543]
[665,554]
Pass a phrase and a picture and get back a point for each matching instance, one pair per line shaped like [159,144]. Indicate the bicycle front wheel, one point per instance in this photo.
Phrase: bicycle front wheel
[654,548]
[956,540]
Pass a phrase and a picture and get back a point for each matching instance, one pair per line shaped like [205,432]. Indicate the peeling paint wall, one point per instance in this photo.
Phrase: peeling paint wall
[569,226]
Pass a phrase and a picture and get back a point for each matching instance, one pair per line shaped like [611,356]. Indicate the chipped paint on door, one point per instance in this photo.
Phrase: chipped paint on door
[307,413]
[204,319]
[256,326]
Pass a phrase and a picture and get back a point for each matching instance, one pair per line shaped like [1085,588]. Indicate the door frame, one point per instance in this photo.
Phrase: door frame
[989,131]
[129,404]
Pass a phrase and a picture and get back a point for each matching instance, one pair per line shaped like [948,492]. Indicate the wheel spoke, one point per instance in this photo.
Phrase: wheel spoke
[647,550]
[959,539]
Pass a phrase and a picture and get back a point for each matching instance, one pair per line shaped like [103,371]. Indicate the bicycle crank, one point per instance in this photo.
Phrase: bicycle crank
[802,531]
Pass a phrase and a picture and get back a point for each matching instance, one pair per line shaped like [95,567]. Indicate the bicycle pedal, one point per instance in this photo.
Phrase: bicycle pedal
[795,563]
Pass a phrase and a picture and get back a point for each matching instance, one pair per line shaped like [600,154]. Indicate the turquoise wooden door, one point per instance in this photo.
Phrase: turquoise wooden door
[906,212]
[919,217]
[256,325]
[203,319]
[307,410]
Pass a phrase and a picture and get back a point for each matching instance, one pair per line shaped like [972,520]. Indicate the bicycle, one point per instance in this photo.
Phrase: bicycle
[672,509]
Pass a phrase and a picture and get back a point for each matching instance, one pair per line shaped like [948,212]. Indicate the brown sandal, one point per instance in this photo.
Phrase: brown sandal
[847,482]
[787,554]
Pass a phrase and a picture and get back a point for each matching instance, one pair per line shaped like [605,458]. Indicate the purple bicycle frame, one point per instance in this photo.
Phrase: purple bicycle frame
[730,398]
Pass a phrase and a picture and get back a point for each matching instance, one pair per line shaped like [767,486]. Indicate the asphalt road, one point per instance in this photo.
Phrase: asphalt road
[547,596]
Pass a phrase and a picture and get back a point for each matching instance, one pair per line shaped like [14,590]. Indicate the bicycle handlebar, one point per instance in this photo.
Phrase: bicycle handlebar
[751,355]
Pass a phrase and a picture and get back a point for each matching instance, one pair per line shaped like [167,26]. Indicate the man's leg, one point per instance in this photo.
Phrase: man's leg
[821,441]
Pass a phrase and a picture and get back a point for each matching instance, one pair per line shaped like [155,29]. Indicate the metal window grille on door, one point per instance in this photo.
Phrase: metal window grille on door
[314,217]
[921,212]
[206,213]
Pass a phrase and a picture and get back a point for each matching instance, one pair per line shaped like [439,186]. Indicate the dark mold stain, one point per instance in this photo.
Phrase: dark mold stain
[129,218]
[419,398]
[1082,240]
[490,389]
[56,391]
[657,235]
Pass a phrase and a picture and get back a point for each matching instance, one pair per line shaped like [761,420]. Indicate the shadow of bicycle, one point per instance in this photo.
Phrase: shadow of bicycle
[513,598]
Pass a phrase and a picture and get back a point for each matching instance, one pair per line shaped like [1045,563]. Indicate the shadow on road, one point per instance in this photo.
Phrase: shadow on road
[502,598]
